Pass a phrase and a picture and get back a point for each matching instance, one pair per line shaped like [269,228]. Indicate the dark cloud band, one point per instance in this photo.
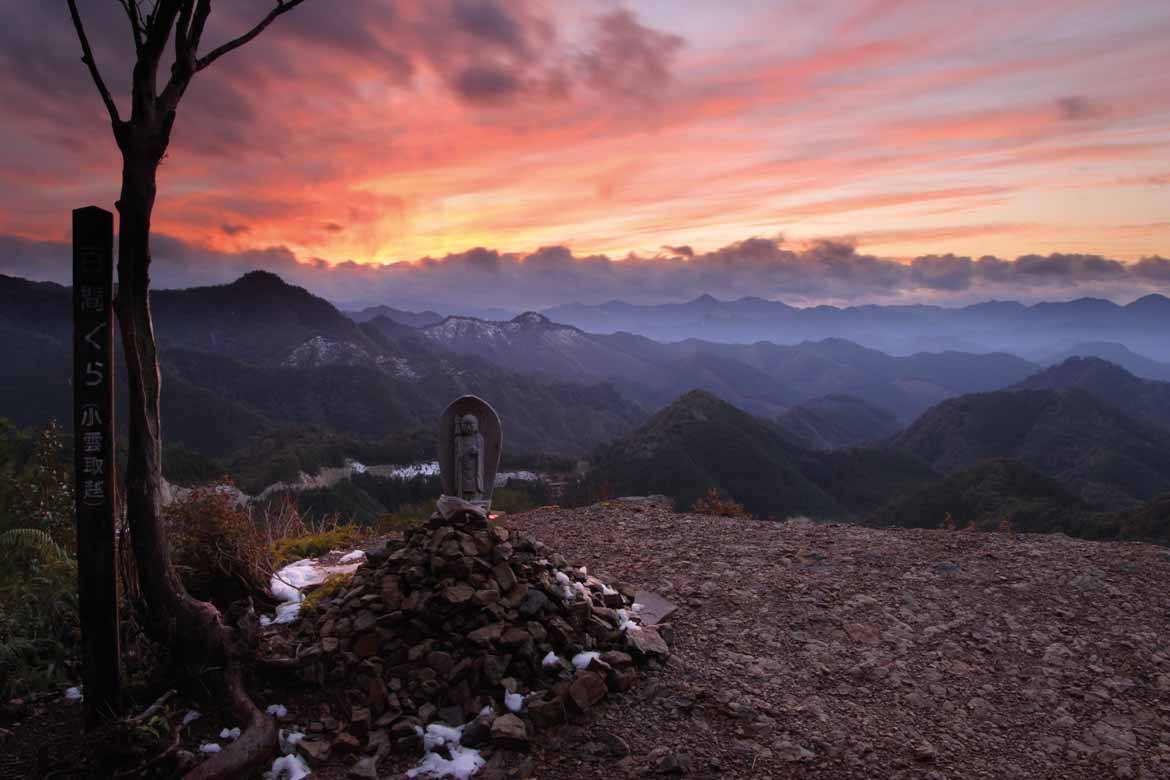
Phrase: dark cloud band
[828,271]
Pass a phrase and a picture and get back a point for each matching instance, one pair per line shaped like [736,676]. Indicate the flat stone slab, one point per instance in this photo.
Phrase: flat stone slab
[654,609]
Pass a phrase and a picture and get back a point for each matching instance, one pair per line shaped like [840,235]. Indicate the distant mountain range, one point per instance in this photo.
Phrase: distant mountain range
[1002,326]
[268,379]
[1059,458]
[257,355]
[764,379]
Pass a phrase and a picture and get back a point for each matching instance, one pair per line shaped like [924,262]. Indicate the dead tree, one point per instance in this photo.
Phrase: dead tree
[194,628]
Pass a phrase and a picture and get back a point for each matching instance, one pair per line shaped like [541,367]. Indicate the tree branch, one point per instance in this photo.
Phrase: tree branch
[202,11]
[87,58]
[183,49]
[131,8]
[159,29]
[282,6]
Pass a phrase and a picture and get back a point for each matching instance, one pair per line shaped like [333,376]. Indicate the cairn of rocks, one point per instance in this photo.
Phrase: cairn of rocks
[471,625]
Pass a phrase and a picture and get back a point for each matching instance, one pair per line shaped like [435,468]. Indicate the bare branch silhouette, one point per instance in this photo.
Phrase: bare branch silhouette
[87,58]
[282,6]
[131,8]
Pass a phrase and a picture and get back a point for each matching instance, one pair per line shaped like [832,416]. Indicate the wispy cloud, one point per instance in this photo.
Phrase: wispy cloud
[423,128]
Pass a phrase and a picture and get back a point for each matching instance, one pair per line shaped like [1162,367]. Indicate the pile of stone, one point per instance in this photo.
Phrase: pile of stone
[471,625]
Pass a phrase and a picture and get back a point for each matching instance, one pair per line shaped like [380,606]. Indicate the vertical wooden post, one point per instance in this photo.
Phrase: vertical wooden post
[93,459]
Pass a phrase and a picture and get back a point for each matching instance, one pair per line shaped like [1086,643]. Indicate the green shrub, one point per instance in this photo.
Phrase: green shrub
[39,634]
[38,582]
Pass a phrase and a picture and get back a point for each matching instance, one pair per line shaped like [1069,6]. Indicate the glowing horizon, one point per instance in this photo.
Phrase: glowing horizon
[400,131]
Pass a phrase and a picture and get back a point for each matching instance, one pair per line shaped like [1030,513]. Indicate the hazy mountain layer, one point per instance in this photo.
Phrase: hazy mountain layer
[992,326]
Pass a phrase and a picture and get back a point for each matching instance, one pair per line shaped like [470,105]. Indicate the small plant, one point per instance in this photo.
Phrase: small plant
[329,588]
[715,504]
[948,523]
[315,544]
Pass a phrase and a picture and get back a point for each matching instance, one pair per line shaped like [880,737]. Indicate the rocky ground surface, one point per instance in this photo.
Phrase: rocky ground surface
[834,651]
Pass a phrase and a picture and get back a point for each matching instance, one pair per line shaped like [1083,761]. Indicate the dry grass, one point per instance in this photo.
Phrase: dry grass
[715,504]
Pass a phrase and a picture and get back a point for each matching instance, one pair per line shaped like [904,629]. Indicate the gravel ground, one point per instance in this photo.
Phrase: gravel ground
[835,651]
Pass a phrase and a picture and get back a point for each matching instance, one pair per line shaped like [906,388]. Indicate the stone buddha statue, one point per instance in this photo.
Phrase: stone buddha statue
[469,456]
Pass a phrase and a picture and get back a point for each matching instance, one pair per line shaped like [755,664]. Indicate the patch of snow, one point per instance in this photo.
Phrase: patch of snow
[288,583]
[583,572]
[567,590]
[551,660]
[277,710]
[73,694]
[626,621]
[209,747]
[350,557]
[406,472]
[462,764]
[357,468]
[289,740]
[191,716]
[582,660]
[608,591]
[290,767]
[514,702]
[233,733]
[521,476]
[322,351]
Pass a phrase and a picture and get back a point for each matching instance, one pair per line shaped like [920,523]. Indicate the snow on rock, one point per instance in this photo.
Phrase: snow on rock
[290,767]
[230,734]
[289,740]
[514,702]
[350,557]
[462,764]
[582,660]
[192,716]
[209,747]
[289,583]
[551,660]
[567,589]
[277,710]
[626,621]
[73,694]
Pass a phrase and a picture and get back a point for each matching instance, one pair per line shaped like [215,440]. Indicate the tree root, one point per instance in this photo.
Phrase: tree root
[256,745]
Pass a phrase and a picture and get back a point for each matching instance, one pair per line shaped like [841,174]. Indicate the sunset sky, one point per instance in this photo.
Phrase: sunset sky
[373,132]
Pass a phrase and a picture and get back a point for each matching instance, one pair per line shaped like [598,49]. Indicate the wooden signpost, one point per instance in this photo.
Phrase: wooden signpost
[93,448]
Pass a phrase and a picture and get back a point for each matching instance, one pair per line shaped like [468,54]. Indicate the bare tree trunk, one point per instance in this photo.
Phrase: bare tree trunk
[194,630]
